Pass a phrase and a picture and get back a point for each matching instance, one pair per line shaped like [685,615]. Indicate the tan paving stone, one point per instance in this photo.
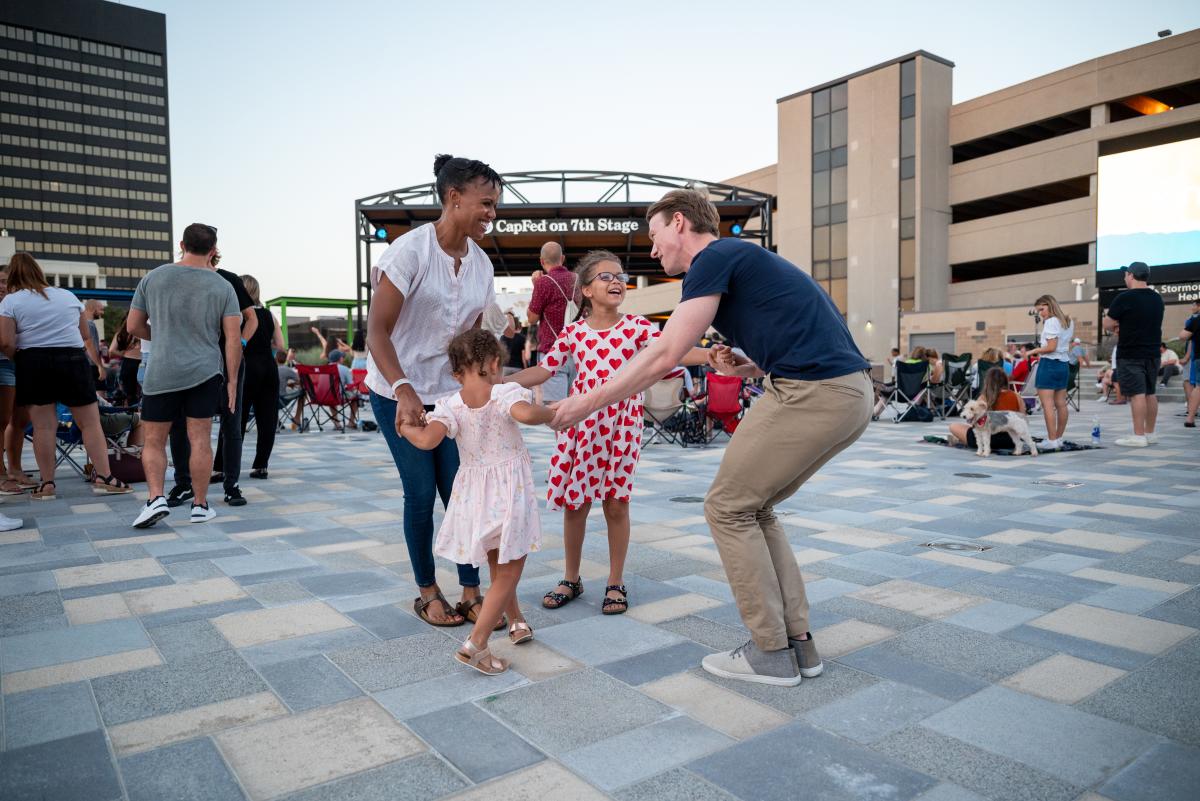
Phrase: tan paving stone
[919,599]
[952,500]
[79,671]
[19,536]
[701,554]
[544,780]
[340,547]
[387,554]
[1136,512]
[91,508]
[686,541]
[301,508]
[96,608]
[1191,559]
[651,532]
[181,596]
[860,537]
[721,709]
[1114,628]
[1063,678]
[261,534]
[244,629]
[913,516]
[671,608]
[533,660]
[143,735]
[850,635]
[589,570]
[958,560]
[87,575]
[1095,540]
[288,754]
[807,556]
[360,519]
[1130,580]
[1014,536]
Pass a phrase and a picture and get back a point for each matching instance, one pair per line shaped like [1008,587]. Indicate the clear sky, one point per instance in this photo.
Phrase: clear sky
[283,113]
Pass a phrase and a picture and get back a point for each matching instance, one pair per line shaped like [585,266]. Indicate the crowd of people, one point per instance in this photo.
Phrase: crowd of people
[449,377]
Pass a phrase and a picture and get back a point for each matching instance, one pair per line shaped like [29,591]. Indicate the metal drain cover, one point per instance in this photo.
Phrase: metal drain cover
[956,545]
[972,475]
[688,499]
[1050,482]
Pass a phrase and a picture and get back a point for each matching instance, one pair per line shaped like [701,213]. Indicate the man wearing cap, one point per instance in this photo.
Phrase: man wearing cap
[1137,315]
[1078,353]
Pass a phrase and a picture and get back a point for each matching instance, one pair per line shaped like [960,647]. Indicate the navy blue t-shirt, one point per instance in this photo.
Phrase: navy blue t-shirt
[774,311]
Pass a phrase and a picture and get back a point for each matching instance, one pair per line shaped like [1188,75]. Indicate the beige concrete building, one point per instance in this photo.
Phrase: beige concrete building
[937,223]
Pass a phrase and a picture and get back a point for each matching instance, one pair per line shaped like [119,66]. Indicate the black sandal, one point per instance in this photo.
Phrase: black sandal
[555,600]
[43,494]
[109,485]
[258,472]
[606,606]
[421,605]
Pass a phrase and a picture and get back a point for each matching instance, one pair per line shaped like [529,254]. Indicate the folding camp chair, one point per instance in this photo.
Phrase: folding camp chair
[68,440]
[722,403]
[324,395]
[957,385]
[663,400]
[1073,385]
[911,388]
[981,370]
[1028,391]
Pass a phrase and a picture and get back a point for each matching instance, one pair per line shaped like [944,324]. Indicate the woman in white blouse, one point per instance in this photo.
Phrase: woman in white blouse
[1053,369]
[430,285]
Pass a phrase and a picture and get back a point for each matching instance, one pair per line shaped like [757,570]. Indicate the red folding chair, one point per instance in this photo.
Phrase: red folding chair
[325,397]
[723,402]
[359,383]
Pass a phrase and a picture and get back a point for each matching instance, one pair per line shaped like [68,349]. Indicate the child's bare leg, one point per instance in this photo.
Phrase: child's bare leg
[574,528]
[616,514]
[500,594]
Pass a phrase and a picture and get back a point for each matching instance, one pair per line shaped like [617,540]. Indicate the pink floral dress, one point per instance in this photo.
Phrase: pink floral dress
[595,460]
[494,503]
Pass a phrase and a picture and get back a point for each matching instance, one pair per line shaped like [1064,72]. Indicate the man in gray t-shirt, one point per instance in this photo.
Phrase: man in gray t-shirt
[189,306]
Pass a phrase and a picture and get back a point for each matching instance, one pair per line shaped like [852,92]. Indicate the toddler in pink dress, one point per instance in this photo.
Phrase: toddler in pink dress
[492,516]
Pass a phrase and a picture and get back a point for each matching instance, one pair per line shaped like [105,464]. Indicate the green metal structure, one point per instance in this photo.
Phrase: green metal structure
[282,303]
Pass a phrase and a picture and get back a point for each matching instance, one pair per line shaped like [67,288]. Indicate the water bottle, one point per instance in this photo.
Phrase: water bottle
[1096,431]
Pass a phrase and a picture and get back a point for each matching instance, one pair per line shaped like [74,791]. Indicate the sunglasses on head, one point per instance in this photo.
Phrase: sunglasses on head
[608,277]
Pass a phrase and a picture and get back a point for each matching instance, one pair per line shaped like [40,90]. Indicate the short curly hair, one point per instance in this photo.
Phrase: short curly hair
[473,348]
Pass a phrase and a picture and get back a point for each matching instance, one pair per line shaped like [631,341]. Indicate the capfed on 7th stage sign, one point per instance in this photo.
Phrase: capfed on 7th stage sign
[573,225]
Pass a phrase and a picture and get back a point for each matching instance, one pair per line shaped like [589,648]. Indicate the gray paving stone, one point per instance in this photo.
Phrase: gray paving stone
[960,650]
[192,556]
[1131,600]
[847,574]
[419,778]
[202,612]
[195,570]
[35,772]
[873,713]
[276,593]
[1183,609]
[872,613]
[1076,646]
[355,583]
[1039,582]
[115,586]
[990,775]
[160,690]
[121,553]
[836,682]
[27,651]
[994,617]
[1162,697]
[393,663]
[640,753]
[259,563]
[185,640]
[65,535]
[310,645]
[35,581]
[886,663]
[573,710]
[772,766]
[388,622]
[950,792]
[656,664]
[679,784]
[308,682]
[51,713]
[457,733]
[21,614]
[1079,748]
[1167,772]
[672,569]
[189,771]
[1165,569]
[605,638]
[879,563]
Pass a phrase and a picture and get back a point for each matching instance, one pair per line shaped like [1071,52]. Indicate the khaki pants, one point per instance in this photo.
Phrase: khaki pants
[789,433]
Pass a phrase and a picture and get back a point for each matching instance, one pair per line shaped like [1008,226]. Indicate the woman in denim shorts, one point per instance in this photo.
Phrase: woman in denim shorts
[1053,369]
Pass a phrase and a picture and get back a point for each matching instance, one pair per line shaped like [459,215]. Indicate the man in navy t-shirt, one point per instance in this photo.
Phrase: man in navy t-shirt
[817,402]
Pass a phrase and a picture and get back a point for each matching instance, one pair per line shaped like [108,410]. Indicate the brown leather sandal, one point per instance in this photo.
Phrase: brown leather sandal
[421,605]
[470,612]
[482,660]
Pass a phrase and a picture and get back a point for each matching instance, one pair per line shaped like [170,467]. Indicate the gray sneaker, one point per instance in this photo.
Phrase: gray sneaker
[807,656]
[748,663]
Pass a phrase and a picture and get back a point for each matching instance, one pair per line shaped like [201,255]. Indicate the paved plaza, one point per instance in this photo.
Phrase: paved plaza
[273,653]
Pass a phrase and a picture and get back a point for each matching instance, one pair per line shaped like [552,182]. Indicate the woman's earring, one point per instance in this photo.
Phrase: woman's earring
[456,205]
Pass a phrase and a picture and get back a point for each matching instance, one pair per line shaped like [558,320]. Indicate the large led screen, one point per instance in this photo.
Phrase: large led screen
[1149,206]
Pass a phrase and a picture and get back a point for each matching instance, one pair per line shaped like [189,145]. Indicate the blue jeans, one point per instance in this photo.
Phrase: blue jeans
[425,475]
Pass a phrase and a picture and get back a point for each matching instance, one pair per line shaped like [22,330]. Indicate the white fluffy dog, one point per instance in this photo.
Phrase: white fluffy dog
[985,423]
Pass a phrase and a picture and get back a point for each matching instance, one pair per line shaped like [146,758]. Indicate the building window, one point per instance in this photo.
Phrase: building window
[829,137]
[908,185]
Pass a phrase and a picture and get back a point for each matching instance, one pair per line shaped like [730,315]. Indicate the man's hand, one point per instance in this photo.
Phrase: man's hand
[721,358]
[570,411]
[409,408]
[231,392]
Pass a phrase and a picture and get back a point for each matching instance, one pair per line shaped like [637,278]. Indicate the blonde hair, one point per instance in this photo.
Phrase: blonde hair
[1055,310]
[252,288]
[991,355]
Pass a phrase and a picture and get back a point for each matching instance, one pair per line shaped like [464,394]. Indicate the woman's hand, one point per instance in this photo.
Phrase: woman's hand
[409,408]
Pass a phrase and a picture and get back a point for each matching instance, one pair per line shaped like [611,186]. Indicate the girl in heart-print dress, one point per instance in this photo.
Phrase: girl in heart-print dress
[594,462]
